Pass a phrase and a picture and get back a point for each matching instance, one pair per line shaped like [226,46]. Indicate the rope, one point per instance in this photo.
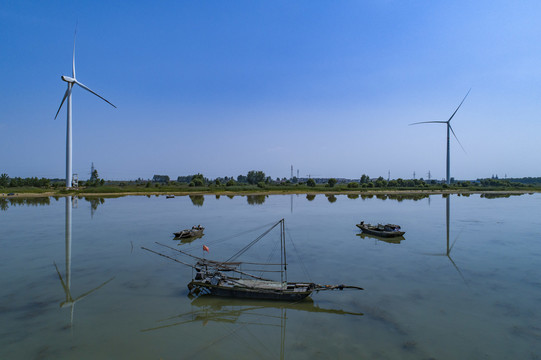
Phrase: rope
[244,249]
[298,256]
[220,240]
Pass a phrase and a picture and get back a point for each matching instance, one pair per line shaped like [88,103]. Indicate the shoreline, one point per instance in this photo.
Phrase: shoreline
[271,192]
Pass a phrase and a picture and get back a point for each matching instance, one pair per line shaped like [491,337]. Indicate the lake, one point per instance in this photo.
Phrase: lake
[464,283]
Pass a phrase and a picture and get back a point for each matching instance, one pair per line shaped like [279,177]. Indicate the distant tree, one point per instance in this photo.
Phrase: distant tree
[197,182]
[242,179]
[255,177]
[311,182]
[381,182]
[365,179]
[353,185]
[217,182]
[230,182]
[4,180]
[332,182]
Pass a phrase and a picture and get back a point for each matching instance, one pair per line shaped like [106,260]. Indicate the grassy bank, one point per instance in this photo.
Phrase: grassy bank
[182,189]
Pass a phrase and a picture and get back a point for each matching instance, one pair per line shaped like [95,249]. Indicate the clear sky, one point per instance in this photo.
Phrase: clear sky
[224,87]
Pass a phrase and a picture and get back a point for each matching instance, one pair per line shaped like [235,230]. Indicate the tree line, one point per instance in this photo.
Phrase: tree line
[260,179]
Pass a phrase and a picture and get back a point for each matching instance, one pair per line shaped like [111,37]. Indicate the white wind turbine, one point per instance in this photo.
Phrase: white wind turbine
[449,129]
[71,82]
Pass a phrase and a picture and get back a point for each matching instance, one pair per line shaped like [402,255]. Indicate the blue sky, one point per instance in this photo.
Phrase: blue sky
[222,88]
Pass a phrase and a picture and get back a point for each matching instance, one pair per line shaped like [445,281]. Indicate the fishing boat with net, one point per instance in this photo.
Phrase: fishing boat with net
[225,278]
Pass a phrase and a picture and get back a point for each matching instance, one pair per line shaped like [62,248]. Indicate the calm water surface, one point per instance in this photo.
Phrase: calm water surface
[464,288]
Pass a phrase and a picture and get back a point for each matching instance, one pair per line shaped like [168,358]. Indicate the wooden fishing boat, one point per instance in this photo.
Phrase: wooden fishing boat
[386,231]
[225,278]
[195,231]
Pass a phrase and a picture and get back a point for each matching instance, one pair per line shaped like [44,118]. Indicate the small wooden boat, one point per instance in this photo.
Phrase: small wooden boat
[386,231]
[195,231]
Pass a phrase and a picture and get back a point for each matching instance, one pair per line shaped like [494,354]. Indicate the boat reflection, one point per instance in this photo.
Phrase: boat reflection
[66,281]
[187,240]
[236,311]
[393,240]
[243,313]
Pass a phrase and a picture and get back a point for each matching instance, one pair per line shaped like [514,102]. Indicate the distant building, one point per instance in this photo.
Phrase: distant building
[161,179]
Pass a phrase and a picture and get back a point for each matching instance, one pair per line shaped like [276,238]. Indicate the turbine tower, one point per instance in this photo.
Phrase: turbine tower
[71,82]
[449,129]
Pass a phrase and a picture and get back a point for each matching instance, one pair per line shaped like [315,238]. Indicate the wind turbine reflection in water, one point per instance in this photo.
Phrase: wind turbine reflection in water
[66,283]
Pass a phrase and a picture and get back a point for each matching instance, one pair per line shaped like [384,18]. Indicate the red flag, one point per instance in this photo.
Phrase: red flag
[205,248]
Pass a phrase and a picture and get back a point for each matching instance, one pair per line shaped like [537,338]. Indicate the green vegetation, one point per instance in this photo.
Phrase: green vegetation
[257,181]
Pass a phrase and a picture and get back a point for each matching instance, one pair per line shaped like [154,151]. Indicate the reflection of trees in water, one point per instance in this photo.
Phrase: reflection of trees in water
[231,196]
[310,197]
[397,197]
[217,197]
[495,196]
[256,199]
[5,203]
[95,202]
[353,196]
[197,200]
[331,198]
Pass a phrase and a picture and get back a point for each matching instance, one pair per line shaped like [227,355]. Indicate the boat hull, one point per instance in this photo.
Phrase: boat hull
[197,288]
[385,234]
[192,233]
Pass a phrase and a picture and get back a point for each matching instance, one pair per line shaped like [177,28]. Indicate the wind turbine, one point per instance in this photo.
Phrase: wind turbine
[449,129]
[71,82]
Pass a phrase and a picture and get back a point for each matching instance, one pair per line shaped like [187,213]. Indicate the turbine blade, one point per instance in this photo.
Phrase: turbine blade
[91,291]
[73,64]
[66,94]
[459,105]
[450,127]
[66,288]
[87,89]
[429,122]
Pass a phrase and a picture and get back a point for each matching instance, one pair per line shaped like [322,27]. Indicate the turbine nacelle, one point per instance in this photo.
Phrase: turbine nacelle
[68,79]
